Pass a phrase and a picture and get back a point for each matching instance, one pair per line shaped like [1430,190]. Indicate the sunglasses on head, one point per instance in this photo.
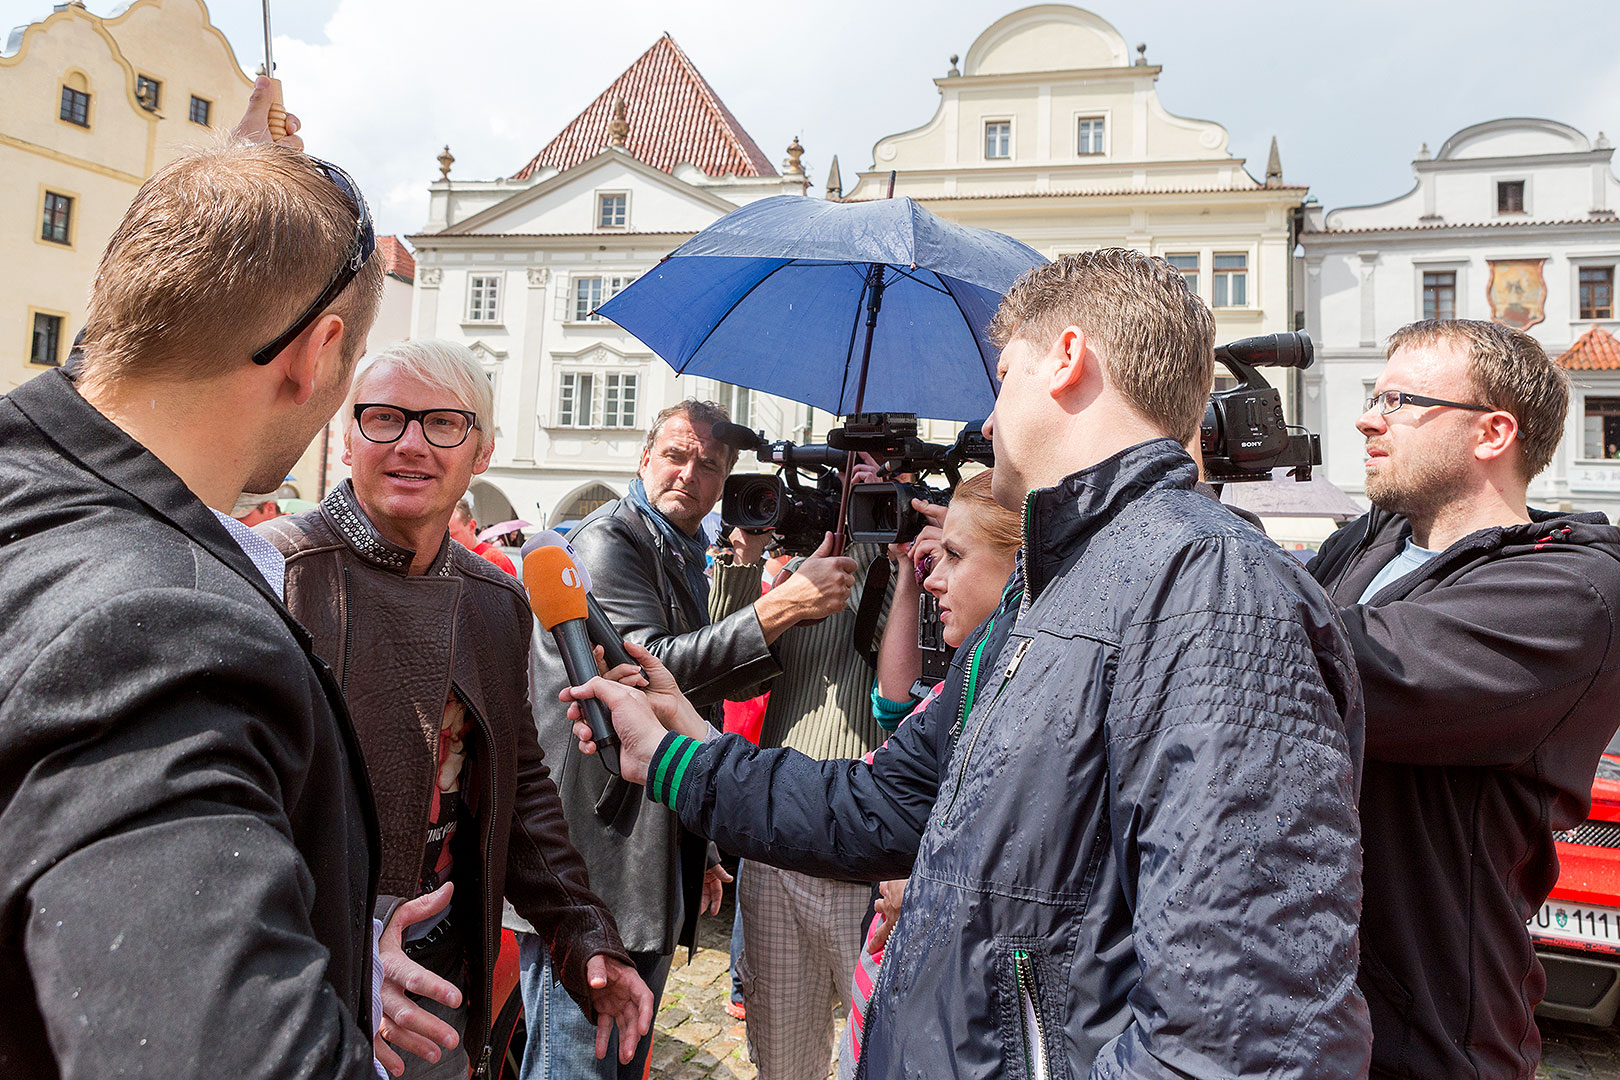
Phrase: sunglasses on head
[365,242]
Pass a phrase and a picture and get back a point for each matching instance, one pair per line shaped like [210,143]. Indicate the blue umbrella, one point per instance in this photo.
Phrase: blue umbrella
[784,294]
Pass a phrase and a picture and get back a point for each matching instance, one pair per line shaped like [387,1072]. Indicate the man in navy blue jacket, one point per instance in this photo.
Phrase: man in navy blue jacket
[1129,821]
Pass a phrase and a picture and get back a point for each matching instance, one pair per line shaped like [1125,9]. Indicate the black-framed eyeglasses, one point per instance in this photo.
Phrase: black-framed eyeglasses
[365,242]
[1387,401]
[444,428]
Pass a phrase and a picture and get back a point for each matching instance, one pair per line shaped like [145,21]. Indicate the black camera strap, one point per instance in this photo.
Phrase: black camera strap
[874,590]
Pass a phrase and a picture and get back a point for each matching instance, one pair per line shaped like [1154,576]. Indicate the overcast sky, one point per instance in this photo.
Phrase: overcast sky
[1349,89]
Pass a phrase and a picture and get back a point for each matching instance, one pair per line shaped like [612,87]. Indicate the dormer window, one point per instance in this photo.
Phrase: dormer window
[997,139]
[1510,196]
[612,211]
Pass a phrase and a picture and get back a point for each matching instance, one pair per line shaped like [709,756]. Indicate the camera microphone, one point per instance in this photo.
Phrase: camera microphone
[558,598]
[735,435]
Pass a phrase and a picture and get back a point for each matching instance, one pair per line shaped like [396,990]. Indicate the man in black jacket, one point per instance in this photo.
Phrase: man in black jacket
[1129,818]
[1485,636]
[186,834]
[645,554]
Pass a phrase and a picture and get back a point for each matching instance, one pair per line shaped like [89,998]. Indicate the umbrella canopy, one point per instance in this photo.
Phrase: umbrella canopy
[775,296]
[494,531]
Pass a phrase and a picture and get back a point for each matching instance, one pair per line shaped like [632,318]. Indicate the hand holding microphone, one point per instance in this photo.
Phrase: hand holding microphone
[558,597]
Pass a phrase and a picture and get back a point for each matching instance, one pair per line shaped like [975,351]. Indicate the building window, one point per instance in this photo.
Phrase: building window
[591,293]
[75,106]
[149,92]
[199,110]
[1510,197]
[47,344]
[1597,292]
[574,399]
[1439,294]
[57,226]
[588,399]
[737,401]
[1601,434]
[619,407]
[998,139]
[1231,280]
[484,298]
[1089,138]
[1188,265]
[612,211]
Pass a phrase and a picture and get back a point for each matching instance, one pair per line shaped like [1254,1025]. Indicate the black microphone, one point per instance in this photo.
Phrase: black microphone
[558,599]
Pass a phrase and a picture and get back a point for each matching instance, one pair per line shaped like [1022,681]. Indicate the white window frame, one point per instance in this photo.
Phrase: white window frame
[1525,211]
[612,285]
[601,200]
[482,290]
[1579,450]
[569,381]
[1197,267]
[621,399]
[984,138]
[1218,275]
[1593,262]
[1101,118]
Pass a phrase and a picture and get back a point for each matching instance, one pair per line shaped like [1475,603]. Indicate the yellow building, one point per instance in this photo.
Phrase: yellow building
[92,107]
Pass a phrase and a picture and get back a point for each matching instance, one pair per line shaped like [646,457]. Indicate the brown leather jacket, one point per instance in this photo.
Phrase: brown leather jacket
[400,645]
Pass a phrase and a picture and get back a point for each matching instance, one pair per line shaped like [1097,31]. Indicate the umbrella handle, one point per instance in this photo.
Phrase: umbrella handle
[840,538]
[278,113]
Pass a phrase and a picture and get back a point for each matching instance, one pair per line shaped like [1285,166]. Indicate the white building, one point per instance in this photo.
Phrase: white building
[1052,133]
[1514,221]
[513,268]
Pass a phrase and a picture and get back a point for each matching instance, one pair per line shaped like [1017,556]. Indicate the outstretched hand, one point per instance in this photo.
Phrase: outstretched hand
[634,721]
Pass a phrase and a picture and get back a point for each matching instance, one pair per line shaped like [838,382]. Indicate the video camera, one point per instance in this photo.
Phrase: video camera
[1243,436]
[801,502]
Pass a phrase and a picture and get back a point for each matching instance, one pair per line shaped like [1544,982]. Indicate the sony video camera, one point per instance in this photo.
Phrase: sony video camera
[1244,436]
[800,503]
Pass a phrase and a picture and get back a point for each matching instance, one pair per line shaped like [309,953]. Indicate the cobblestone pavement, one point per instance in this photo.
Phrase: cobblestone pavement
[1578,1052]
[696,1040]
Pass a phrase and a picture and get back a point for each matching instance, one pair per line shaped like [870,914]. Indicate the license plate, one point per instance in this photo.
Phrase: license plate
[1577,922]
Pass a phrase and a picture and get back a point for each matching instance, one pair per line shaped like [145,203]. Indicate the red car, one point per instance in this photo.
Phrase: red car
[1577,931]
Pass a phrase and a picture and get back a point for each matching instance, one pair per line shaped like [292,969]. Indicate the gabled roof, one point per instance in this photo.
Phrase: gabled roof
[1595,350]
[396,257]
[674,116]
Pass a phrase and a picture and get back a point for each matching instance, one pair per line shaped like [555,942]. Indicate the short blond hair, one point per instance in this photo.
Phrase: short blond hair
[444,365]
[220,251]
[1155,337]
[1511,372]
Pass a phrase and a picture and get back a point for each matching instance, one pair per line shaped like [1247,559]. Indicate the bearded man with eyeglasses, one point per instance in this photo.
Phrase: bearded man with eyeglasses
[431,645]
[1484,632]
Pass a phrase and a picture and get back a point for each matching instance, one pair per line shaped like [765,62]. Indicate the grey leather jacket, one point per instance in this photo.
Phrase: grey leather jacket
[638,859]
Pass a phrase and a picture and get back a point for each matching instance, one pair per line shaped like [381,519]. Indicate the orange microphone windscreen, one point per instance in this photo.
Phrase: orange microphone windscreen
[555,592]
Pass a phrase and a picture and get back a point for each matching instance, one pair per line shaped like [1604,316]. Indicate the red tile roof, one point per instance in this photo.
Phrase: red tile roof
[674,115]
[397,260]
[1595,350]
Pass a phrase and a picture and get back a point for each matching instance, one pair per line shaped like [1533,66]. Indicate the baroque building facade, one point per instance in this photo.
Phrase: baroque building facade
[1053,132]
[92,107]
[1513,220]
[515,267]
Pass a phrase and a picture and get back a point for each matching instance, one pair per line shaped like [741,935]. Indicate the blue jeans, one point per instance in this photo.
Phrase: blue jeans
[562,1043]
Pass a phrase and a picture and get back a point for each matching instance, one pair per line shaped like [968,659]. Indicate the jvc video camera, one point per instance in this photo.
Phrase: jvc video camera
[1243,436]
[800,503]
